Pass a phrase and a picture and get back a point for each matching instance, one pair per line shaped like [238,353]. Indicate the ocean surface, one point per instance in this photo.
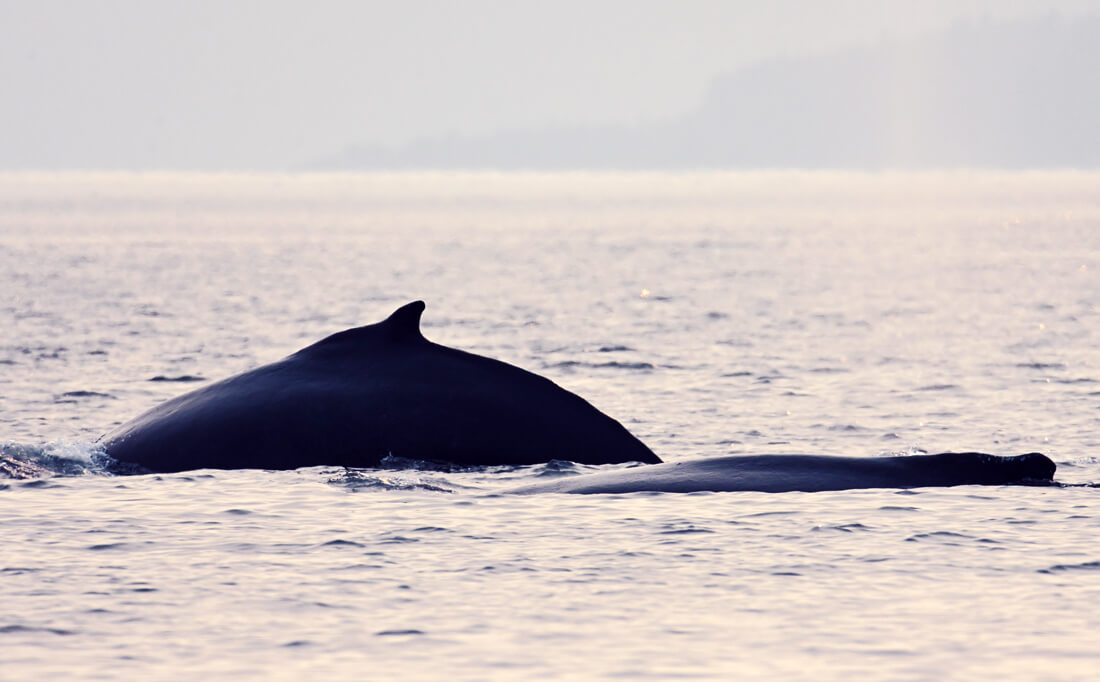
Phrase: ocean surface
[711,313]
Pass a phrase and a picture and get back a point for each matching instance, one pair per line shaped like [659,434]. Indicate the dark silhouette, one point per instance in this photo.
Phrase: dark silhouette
[811,473]
[363,394]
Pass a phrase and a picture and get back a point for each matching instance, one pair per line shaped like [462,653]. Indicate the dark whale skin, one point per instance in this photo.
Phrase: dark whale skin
[810,473]
[363,394]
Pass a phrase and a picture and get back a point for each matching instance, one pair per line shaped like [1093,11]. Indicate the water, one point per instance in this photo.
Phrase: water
[710,313]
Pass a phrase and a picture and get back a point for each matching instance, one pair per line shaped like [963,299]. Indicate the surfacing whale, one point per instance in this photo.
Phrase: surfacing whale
[810,473]
[364,394]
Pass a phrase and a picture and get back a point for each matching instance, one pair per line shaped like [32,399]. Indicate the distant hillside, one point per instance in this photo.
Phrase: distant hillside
[1021,95]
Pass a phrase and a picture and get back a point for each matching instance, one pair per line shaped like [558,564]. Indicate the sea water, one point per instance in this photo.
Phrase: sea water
[711,313]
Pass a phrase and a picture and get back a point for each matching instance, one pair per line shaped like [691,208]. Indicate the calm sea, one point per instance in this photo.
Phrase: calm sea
[711,313]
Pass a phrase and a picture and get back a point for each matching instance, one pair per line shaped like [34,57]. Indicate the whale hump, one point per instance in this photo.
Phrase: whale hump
[368,393]
[404,323]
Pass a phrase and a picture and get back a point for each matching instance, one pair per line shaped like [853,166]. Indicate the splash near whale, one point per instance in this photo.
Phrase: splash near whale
[364,394]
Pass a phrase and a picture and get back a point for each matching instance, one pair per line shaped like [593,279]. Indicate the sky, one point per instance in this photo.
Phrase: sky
[276,85]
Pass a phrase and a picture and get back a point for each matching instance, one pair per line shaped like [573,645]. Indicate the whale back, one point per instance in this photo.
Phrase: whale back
[811,473]
[361,395]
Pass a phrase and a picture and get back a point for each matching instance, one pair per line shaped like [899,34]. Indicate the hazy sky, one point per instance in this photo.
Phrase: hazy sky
[277,85]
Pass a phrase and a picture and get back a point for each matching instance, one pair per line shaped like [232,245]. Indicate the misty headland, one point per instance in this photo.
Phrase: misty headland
[979,95]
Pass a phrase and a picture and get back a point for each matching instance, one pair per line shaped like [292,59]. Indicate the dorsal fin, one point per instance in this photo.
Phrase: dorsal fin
[402,327]
[404,323]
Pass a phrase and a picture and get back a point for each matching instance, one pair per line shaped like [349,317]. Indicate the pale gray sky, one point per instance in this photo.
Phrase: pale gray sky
[240,85]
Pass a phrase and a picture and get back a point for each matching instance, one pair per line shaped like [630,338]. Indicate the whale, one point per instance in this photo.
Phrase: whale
[782,473]
[366,394]
[383,393]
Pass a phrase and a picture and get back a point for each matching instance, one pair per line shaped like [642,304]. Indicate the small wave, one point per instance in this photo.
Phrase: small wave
[398,633]
[555,468]
[843,528]
[570,364]
[397,540]
[181,378]
[69,396]
[342,543]
[42,351]
[107,546]
[944,535]
[688,529]
[736,343]
[38,483]
[613,349]
[1083,460]
[1086,566]
[938,387]
[1041,365]
[356,481]
[147,310]
[16,629]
